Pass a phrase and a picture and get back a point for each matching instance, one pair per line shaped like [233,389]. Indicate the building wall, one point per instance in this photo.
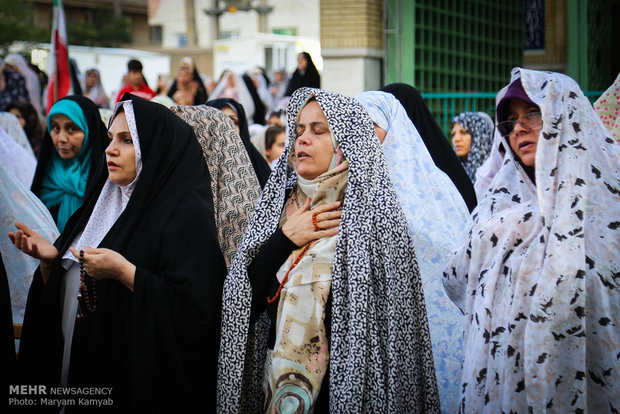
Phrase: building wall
[555,55]
[351,45]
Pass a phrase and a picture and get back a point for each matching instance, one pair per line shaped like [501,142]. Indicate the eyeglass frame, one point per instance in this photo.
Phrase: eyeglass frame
[514,123]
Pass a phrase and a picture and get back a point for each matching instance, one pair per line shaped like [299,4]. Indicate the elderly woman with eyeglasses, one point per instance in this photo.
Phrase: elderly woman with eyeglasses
[538,274]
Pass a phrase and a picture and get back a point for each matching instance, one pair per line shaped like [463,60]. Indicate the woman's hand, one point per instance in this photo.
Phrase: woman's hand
[107,264]
[300,229]
[35,245]
[32,243]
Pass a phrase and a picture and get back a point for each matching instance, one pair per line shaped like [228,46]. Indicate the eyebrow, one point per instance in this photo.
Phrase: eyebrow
[315,123]
[121,134]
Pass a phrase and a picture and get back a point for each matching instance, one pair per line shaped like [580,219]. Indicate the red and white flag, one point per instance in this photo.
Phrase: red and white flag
[59,84]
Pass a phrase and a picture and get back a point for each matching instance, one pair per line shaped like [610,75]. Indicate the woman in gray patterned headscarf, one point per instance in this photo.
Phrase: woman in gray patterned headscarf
[341,289]
[472,138]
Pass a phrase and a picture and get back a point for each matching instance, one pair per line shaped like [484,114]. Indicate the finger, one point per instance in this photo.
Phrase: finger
[327,207]
[74,252]
[12,237]
[304,207]
[328,224]
[21,226]
[329,215]
[326,233]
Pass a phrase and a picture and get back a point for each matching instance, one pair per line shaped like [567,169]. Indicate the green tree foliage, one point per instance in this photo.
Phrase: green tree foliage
[100,28]
[16,24]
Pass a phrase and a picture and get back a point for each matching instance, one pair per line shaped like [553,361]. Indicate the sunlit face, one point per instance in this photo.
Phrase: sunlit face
[184,75]
[233,116]
[66,136]
[277,148]
[461,140]
[120,153]
[230,81]
[381,133]
[302,63]
[313,149]
[523,140]
[19,116]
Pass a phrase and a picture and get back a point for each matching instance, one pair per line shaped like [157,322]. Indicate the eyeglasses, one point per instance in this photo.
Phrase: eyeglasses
[528,121]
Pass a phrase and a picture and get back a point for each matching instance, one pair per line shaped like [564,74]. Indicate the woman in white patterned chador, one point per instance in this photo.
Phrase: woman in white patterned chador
[341,288]
[538,274]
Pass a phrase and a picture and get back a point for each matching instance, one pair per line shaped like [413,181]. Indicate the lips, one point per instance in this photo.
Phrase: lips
[112,166]
[525,145]
[302,154]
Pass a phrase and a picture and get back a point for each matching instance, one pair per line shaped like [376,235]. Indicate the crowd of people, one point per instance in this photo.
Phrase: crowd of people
[250,245]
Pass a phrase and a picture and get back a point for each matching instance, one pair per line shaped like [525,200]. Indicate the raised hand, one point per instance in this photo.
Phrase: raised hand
[306,225]
[32,243]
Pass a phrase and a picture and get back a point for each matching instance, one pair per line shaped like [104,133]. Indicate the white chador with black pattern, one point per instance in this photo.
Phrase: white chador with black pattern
[539,274]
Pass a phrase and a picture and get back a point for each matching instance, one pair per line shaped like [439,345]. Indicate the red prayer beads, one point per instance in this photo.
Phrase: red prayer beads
[303,252]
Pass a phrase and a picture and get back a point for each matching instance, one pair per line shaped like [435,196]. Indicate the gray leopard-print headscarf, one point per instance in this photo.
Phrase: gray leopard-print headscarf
[538,275]
[234,183]
[480,127]
[380,352]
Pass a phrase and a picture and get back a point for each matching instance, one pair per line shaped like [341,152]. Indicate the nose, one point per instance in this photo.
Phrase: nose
[304,138]
[518,127]
[111,149]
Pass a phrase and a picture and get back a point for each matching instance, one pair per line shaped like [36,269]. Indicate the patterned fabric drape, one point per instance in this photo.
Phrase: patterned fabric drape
[380,352]
[233,180]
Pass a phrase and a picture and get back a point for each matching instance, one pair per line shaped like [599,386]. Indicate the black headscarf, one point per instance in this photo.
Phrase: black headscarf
[201,95]
[309,78]
[98,137]
[261,167]
[260,111]
[156,346]
[436,143]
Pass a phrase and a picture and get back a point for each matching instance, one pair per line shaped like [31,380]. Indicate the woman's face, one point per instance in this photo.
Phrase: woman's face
[277,148]
[120,153]
[523,140]
[233,116]
[381,133]
[230,81]
[184,75]
[91,79]
[19,116]
[66,136]
[302,63]
[313,149]
[461,140]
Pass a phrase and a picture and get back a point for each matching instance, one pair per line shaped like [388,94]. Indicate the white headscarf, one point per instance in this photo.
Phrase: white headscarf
[240,93]
[32,80]
[13,128]
[16,159]
[113,197]
[437,218]
[538,273]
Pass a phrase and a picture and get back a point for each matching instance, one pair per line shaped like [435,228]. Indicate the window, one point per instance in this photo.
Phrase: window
[182,40]
[156,35]
[289,31]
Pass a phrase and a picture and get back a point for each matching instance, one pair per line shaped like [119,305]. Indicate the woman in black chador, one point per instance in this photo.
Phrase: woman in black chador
[305,75]
[129,296]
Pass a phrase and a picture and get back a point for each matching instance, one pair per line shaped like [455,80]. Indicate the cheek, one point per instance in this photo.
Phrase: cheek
[77,140]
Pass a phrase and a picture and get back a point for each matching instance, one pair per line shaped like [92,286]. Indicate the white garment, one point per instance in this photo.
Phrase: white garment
[239,93]
[537,275]
[437,218]
[16,159]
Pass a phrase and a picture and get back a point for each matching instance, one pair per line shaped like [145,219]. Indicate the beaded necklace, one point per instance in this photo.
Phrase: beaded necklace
[87,301]
[283,282]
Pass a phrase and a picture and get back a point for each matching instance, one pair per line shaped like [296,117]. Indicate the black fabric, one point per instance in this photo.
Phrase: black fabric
[8,367]
[260,111]
[98,135]
[259,163]
[434,139]
[309,78]
[201,95]
[157,346]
